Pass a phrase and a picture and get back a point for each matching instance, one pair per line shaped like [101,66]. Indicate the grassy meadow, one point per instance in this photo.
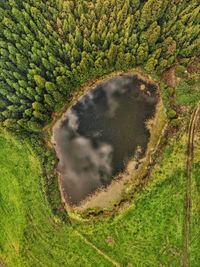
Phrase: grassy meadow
[30,234]
[147,233]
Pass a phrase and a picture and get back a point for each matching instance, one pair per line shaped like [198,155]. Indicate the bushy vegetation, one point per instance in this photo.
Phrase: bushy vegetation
[49,48]
[186,94]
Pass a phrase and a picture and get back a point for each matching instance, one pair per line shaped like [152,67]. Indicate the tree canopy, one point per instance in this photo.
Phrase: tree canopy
[49,48]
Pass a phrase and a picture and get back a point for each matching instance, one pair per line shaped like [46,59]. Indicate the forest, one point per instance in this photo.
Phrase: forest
[50,48]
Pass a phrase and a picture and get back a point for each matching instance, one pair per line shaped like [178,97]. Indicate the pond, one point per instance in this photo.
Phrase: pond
[97,137]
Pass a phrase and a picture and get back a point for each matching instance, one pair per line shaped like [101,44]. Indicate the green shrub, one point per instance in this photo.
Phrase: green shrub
[171,114]
[181,71]
[175,122]
[187,92]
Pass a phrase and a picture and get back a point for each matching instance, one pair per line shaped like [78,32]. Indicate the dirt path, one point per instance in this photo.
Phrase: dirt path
[113,262]
[187,203]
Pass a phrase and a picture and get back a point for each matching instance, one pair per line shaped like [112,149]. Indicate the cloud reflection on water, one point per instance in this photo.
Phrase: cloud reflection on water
[100,134]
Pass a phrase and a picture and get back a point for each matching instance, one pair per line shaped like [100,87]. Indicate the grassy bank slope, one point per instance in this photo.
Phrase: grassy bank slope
[149,233]
[30,234]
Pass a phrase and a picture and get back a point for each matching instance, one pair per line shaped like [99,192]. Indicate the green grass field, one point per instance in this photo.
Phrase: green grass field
[30,234]
[148,233]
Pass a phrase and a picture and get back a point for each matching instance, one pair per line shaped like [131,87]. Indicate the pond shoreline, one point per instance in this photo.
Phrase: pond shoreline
[124,183]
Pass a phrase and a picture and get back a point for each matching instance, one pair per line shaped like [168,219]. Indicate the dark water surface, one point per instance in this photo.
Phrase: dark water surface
[101,132]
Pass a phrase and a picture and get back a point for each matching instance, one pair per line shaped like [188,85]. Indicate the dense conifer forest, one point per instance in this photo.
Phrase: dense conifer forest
[49,48]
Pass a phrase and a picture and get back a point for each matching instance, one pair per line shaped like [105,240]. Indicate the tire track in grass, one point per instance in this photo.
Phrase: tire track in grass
[100,252]
[187,201]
